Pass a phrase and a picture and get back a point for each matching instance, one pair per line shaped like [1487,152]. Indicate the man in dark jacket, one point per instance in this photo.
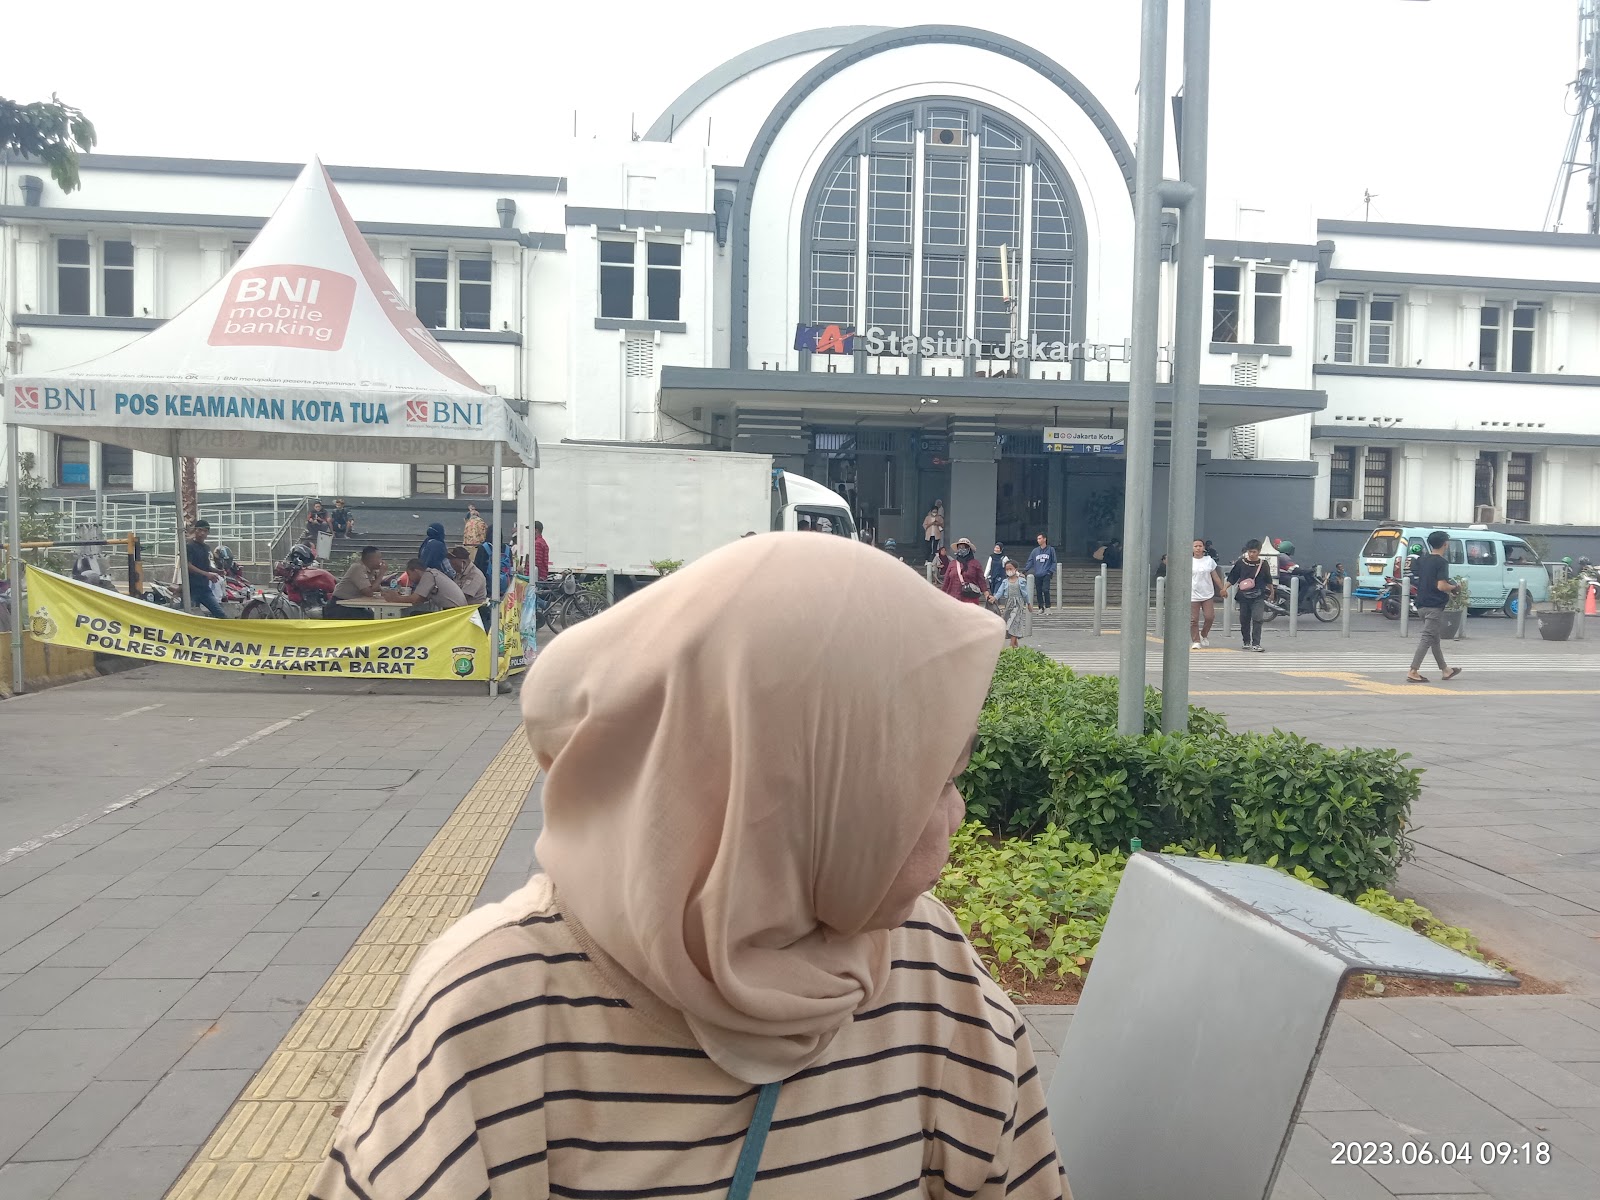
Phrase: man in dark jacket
[1041,565]
[434,553]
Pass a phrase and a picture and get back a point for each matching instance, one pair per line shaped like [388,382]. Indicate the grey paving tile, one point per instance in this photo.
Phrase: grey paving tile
[53,1060]
[252,889]
[126,1173]
[131,887]
[97,948]
[1396,1027]
[1416,1094]
[343,860]
[188,882]
[252,835]
[1327,1094]
[371,883]
[1394,1179]
[1310,1157]
[209,998]
[181,1110]
[347,910]
[1450,1022]
[42,988]
[82,1125]
[296,840]
[281,987]
[391,858]
[156,1050]
[1352,1044]
[224,858]
[254,952]
[147,912]
[1289,1186]
[1561,1179]
[298,863]
[344,822]
[1569,1138]
[1489,1085]
[1553,1034]
[115,1004]
[318,947]
[23,1114]
[34,1181]
[1545,1079]
[319,885]
[172,955]
[238,1040]
[288,916]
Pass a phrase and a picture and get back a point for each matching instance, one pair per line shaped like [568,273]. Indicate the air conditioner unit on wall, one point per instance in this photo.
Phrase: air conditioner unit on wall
[1342,510]
[944,135]
[1486,514]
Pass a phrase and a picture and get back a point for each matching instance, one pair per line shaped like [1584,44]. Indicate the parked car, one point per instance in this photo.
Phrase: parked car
[1492,563]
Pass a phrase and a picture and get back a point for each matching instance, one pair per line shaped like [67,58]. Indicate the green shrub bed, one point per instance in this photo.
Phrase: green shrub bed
[1048,755]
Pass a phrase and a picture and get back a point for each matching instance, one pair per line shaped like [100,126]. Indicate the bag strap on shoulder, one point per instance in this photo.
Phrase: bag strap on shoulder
[755,1139]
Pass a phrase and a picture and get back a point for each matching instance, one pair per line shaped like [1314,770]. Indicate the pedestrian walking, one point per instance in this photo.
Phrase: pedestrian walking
[1012,597]
[963,577]
[474,530]
[1041,566]
[1203,592]
[201,573]
[1431,577]
[933,528]
[727,954]
[994,570]
[1253,585]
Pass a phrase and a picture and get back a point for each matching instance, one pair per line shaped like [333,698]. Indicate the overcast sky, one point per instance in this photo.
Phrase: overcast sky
[1450,111]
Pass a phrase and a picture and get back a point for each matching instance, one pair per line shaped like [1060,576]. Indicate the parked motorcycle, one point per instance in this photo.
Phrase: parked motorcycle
[161,595]
[304,589]
[236,589]
[1317,599]
[1389,598]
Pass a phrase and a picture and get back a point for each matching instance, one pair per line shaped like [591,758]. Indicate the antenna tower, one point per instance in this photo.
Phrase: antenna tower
[1585,125]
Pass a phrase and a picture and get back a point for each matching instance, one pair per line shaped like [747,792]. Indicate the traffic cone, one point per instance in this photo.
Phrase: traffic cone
[1589,609]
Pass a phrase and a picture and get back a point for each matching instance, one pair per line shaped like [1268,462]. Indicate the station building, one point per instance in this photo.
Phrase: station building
[899,261]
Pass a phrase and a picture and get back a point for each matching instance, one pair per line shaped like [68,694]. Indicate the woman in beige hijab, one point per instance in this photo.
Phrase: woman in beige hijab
[741,824]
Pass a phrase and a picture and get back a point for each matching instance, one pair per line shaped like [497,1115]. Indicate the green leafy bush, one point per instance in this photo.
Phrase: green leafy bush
[1048,752]
[1038,905]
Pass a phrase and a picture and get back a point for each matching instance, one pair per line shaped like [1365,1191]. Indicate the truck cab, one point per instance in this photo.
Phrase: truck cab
[801,503]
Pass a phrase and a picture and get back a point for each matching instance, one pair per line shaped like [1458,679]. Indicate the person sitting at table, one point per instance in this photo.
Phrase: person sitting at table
[362,580]
[471,581]
[431,590]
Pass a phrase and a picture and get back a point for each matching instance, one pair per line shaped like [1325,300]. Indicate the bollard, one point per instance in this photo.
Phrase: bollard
[611,588]
[1522,607]
[1099,604]
[1227,613]
[1344,608]
[1461,626]
[1294,606]
[1577,621]
[1161,601]
[1405,604]
[1058,585]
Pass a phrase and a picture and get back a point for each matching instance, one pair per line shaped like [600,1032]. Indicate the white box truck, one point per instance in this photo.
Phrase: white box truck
[615,509]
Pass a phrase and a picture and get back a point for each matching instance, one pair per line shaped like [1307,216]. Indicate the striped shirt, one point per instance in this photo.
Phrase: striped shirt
[522,1063]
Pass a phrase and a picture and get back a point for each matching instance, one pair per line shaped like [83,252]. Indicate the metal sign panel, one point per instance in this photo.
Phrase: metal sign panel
[1060,440]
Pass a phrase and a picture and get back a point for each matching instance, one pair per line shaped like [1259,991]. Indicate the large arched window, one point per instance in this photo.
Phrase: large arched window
[943,219]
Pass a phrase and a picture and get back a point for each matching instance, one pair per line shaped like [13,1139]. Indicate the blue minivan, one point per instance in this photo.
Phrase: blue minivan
[1492,563]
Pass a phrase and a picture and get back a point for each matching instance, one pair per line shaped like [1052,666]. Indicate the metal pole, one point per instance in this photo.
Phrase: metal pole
[494,575]
[1227,612]
[1161,602]
[1522,606]
[1577,621]
[1058,585]
[1182,471]
[1405,602]
[96,470]
[179,550]
[1344,608]
[19,608]
[1099,604]
[1142,372]
[1294,606]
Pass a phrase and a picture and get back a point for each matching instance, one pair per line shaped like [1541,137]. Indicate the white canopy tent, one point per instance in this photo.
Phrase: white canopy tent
[304,350]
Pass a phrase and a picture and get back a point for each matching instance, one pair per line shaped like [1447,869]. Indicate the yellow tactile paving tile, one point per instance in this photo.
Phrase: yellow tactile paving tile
[270,1142]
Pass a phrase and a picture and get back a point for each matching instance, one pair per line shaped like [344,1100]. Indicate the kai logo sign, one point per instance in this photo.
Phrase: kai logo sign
[825,339]
[305,308]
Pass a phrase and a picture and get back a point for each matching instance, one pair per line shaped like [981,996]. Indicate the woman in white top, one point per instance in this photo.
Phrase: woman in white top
[1203,595]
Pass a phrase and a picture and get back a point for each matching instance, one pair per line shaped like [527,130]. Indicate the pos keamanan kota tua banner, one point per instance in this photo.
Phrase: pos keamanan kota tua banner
[447,645]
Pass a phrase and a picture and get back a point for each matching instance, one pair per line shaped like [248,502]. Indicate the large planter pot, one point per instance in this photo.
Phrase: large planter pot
[1556,626]
[1452,623]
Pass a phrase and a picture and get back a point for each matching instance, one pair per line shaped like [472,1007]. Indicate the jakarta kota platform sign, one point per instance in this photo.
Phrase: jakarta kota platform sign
[1085,441]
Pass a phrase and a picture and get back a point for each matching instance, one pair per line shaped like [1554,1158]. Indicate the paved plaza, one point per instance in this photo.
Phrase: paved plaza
[211,885]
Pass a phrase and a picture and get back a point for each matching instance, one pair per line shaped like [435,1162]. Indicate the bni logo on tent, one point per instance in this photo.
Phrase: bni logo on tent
[416,412]
[304,308]
[25,397]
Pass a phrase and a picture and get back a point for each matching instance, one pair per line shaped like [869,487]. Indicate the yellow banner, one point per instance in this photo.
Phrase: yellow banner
[447,645]
[514,654]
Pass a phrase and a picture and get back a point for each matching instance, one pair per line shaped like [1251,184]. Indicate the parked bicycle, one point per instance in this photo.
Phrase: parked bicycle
[562,601]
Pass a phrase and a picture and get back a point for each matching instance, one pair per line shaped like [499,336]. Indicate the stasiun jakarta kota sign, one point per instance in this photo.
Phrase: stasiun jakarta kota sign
[844,339]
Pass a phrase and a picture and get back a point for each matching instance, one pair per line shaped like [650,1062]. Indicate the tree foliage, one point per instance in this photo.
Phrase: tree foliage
[50,131]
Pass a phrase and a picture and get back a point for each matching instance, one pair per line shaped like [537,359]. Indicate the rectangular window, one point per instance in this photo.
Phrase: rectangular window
[1226,301]
[944,296]
[117,276]
[431,291]
[72,462]
[616,279]
[1524,325]
[73,277]
[889,214]
[116,465]
[472,481]
[1346,327]
[1481,553]
[1489,338]
[1483,479]
[1049,300]
[833,288]
[472,290]
[999,205]
[429,480]
[889,292]
[1380,331]
[664,281]
[1268,308]
[1376,473]
[1342,473]
[1519,487]
[944,201]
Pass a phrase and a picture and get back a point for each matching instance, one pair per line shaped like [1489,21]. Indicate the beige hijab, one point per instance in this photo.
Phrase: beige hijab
[738,763]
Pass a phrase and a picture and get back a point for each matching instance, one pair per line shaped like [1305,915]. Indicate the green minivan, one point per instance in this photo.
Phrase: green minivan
[1492,564]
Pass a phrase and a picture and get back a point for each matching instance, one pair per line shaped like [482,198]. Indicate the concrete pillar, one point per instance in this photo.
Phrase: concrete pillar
[1550,483]
[1056,504]
[974,475]
[1463,484]
[1414,331]
[215,251]
[33,270]
[1557,348]
[148,289]
[1412,495]
[506,265]
[1321,487]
